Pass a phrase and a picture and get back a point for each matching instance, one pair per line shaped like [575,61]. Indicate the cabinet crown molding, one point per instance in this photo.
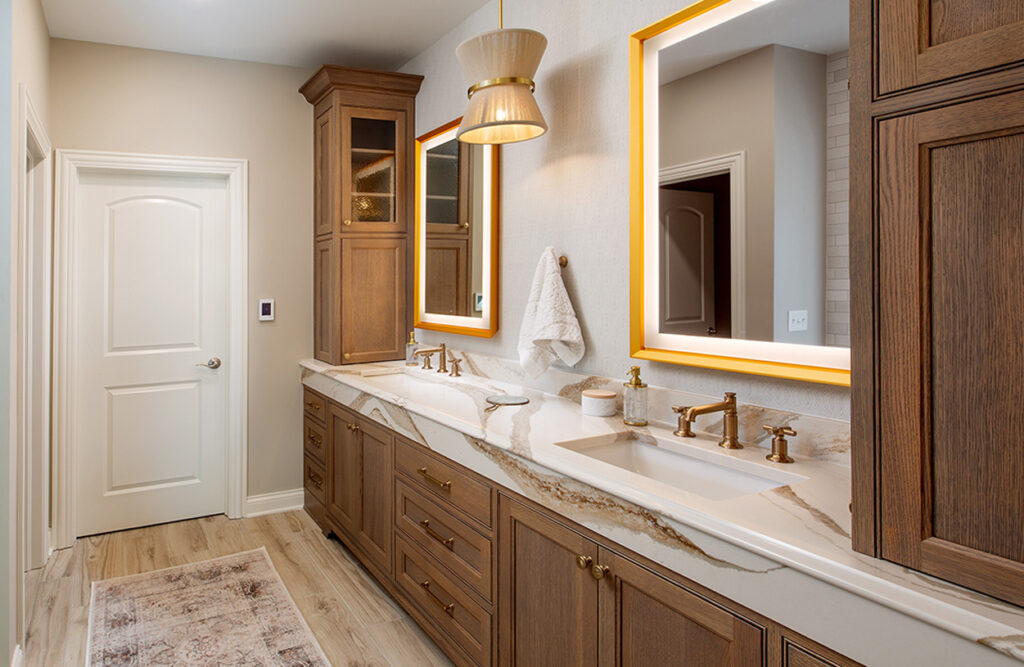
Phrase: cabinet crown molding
[334,77]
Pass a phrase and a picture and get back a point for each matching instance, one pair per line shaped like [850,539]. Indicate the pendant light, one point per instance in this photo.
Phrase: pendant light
[500,66]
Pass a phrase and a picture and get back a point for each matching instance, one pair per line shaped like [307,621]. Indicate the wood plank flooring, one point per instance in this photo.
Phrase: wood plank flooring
[354,620]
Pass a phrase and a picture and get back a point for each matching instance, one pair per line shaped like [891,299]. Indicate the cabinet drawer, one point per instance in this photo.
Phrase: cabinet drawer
[444,482]
[314,404]
[314,479]
[444,601]
[464,551]
[313,438]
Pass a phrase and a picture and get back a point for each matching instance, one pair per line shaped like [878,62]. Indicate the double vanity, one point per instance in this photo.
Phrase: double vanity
[534,534]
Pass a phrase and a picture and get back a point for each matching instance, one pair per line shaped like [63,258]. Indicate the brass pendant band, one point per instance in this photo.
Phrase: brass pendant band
[500,81]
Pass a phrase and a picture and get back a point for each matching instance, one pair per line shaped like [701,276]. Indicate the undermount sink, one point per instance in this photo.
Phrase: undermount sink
[690,468]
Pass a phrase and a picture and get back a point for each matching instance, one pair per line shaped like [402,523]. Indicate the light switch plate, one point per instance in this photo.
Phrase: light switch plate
[266,312]
[798,320]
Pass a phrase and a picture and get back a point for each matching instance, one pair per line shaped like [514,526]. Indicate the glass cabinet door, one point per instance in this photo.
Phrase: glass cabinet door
[373,171]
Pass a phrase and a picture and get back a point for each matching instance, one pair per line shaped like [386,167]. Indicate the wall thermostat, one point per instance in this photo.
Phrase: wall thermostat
[266,310]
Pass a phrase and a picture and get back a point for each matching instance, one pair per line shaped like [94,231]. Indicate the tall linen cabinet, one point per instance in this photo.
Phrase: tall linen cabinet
[937,264]
[363,133]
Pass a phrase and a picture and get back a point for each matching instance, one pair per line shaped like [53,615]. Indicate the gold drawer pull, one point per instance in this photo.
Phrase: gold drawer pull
[448,608]
[583,562]
[600,571]
[433,533]
[314,405]
[433,480]
[315,479]
[352,427]
[311,436]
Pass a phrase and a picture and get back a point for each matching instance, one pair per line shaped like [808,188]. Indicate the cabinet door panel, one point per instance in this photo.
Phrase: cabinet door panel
[548,605]
[326,304]
[951,182]
[924,41]
[344,490]
[377,477]
[374,170]
[649,620]
[373,314]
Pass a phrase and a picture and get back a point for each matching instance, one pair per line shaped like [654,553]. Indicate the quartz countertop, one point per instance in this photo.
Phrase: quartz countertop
[804,524]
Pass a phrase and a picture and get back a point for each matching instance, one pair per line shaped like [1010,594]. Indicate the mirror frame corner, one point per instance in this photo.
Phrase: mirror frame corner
[638,349]
[421,319]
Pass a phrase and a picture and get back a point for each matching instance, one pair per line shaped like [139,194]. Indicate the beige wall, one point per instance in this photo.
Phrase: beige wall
[114,98]
[570,188]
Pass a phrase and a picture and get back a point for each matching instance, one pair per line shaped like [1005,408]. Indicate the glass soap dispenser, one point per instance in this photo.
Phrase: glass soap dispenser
[634,399]
[410,349]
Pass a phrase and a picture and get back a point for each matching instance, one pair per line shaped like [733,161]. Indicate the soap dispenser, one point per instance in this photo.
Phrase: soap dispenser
[410,349]
[634,399]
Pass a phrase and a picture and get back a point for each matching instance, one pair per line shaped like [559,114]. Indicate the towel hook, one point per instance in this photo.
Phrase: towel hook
[563,261]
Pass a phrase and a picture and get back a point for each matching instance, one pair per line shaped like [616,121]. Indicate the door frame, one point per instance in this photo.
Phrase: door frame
[70,164]
[733,164]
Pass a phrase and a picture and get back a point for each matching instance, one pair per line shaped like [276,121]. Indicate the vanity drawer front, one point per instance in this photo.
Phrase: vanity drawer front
[444,601]
[314,404]
[313,438]
[316,510]
[461,549]
[444,481]
[314,479]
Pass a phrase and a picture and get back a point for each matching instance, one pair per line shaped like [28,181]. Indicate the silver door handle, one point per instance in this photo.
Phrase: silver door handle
[214,362]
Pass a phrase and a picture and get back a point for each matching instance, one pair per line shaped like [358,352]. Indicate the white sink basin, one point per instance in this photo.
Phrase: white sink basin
[697,469]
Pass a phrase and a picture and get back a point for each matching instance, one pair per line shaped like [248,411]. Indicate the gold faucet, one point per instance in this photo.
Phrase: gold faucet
[730,429]
[442,366]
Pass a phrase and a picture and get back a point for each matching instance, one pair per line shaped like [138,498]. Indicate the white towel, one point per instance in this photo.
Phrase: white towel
[550,330]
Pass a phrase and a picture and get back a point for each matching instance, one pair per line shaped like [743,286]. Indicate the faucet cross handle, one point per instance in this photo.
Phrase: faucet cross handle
[780,447]
[456,365]
[684,430]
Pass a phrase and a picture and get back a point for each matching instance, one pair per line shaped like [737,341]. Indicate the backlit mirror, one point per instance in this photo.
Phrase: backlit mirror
[456,234]
[740,256]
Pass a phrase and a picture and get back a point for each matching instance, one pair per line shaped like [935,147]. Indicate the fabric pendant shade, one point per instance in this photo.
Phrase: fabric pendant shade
[500,66]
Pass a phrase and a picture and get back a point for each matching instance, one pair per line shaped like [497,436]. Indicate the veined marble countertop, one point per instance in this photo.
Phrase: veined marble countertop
[803,525]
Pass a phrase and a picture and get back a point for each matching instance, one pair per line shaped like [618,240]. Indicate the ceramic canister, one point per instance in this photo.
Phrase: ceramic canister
[599,402]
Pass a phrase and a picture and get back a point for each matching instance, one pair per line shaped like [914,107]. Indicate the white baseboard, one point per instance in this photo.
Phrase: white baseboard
[18,659]
[270,503]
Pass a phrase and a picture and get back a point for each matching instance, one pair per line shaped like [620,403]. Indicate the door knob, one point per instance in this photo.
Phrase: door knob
[214,362]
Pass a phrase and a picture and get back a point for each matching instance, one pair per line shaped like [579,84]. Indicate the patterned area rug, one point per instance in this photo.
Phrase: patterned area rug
[227,611]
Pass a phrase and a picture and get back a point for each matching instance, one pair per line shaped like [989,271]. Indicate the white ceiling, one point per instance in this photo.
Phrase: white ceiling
[301,33]
[819,26]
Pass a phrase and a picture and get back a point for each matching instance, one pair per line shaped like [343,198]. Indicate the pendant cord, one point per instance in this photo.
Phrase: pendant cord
[501,14]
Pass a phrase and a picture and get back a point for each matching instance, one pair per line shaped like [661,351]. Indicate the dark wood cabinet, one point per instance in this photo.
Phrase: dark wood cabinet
[548,608]
[494,578]
[647,619]
[937,249]
[361,486]
[925,41]
[567,599]
[363,125]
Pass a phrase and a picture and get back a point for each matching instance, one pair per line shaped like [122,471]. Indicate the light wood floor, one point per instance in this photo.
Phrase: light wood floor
[355,621]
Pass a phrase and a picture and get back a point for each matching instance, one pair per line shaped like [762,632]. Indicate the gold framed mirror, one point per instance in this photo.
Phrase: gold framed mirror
[457,206]
[738,239]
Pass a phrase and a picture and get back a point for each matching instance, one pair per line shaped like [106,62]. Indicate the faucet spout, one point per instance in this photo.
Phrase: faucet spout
[730,420]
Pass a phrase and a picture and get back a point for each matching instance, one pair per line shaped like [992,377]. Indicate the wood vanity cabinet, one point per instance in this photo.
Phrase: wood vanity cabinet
[360,487]
[493,578]
[363,125]
[937,264]
[568,600]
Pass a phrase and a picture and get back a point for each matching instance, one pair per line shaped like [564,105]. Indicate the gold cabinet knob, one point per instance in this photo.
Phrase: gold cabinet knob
[347,223]
[583,562]
[347,355]
[599,571]
[465,225]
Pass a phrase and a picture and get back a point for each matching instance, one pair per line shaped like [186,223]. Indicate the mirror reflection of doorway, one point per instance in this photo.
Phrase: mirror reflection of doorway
[695,251]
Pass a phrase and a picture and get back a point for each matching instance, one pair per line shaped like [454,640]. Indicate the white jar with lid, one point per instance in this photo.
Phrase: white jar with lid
[598,402]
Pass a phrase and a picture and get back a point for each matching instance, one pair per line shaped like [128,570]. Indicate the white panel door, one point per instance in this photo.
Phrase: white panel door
[150,269]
